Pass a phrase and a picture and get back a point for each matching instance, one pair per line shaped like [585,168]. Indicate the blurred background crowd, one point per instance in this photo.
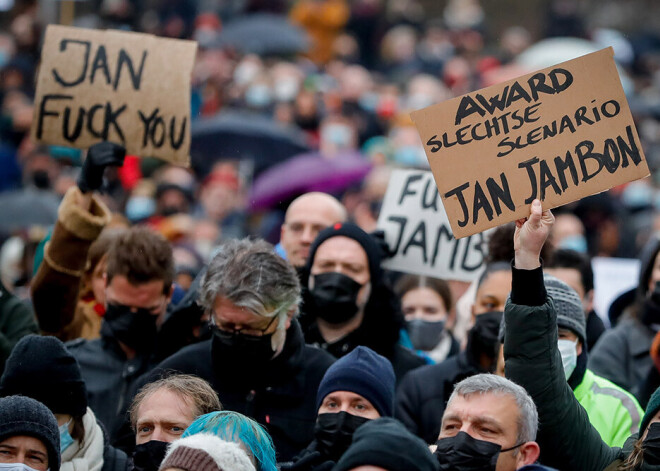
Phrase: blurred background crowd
[297,96]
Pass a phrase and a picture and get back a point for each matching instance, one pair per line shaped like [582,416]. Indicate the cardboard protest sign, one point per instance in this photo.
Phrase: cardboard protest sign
[560,134]
[129,88]
[417,229]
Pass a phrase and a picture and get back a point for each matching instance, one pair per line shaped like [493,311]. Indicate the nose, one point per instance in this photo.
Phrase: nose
[159,434]
[308,235]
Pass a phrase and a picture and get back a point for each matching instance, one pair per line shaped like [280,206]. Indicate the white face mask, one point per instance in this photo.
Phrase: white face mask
[15,467]
[568,350]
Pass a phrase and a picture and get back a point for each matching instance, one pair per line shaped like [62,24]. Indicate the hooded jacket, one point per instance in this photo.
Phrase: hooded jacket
[281,396]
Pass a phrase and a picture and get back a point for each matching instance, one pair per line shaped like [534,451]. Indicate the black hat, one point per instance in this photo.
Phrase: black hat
[43,369]
[24,416]
[351,231]
[386,443]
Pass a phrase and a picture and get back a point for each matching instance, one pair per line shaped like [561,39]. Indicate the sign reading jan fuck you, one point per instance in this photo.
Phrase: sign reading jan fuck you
[558,134]
[129,88]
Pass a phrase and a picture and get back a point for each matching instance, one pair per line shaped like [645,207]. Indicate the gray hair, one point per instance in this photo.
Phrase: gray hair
[486,383]
[251,275]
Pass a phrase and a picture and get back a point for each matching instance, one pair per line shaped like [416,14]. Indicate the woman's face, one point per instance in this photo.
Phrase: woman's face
[492,293]
[423,303]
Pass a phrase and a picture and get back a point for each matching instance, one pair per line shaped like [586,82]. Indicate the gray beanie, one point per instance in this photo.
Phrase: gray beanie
[570,313]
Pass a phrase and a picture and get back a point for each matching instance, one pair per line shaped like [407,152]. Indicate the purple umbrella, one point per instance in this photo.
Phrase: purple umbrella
[305,173]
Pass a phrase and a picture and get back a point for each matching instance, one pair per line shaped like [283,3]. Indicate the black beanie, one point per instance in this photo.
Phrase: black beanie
[43,369]
[351,231]
[24,416]
[387,443]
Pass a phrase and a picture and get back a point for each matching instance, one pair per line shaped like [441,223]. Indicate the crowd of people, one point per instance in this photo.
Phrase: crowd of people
[154,317]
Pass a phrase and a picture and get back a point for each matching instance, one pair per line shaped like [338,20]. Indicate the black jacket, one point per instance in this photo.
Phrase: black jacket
[281,396]
[16,321]
[422,396]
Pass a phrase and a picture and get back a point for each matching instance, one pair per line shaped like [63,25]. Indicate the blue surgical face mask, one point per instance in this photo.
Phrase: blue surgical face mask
[574,242]
[139,208]
[258,96]
[65,437]
[15,467]
[337,134]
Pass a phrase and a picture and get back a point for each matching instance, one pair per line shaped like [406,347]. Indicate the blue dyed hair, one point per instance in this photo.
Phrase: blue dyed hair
[235,427]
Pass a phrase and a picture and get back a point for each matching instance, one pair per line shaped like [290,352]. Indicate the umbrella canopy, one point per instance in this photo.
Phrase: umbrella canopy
[28,207]
[264,33]
[243,135]
[304,173]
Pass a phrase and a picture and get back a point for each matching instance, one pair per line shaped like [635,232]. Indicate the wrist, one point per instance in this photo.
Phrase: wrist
[526,260]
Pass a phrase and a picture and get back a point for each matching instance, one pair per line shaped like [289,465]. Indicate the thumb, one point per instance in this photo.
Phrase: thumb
[534,219]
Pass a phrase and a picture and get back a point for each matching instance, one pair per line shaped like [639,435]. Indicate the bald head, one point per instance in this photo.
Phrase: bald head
[306,216]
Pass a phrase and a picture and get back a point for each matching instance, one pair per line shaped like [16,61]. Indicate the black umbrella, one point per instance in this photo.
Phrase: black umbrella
[264,33]
[27,207]
[243,135]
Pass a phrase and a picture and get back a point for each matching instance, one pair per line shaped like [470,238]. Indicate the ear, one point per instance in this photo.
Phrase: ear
[170,293]
[282,231]
[578,348]
[529,453]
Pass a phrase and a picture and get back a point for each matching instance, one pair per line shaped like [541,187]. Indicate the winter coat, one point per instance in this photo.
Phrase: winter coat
[16,321]
[109,376]
[281,396]
[422,395]
[567,439]
[622,354]
[96,454]
[55,287]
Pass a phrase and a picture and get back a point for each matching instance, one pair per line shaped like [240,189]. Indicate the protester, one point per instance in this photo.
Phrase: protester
[566,436]
[385,444]
[574,269]
[305,217]
[161,411]
[348,302]
[205,453]
[237,428]
[423,393]
[428,310]
[138,289]
[357,388]
[614,412]
[82,215]
[29,435]
[490,423]
[16,321]
[622,353]
[256,360]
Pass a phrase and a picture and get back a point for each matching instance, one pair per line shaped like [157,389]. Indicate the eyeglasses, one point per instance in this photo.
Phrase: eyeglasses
[250,331]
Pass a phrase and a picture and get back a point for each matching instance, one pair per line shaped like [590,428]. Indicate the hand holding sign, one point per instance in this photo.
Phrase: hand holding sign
[99,156]
[531,233]
[556,135]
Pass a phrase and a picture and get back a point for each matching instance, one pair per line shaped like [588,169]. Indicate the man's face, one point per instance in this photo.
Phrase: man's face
[488,417]
[24,449]
[344,255]
[147,295]
[305,218]
[163,416]
[346,401]
[231,318]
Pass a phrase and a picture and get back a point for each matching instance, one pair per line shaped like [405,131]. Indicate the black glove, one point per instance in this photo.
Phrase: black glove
[309,462]
[385,250]
[99,156]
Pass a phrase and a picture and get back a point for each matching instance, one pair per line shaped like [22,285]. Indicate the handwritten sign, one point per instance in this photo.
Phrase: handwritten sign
[417,229]
[559,134]
[129,88]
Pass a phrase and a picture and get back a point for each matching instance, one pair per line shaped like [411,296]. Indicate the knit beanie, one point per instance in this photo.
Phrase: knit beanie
[570,313]
[362,372]
[388,444]
[43,369]
[206,452]
[651,409]
[351,231]
[24,416]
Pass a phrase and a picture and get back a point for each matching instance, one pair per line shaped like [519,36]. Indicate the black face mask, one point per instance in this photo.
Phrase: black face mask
[246,350]
[651,445]
[41,179]
[148,456]
[464,453]
[334,297]
[483,337]
[135,329]
[334,433]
